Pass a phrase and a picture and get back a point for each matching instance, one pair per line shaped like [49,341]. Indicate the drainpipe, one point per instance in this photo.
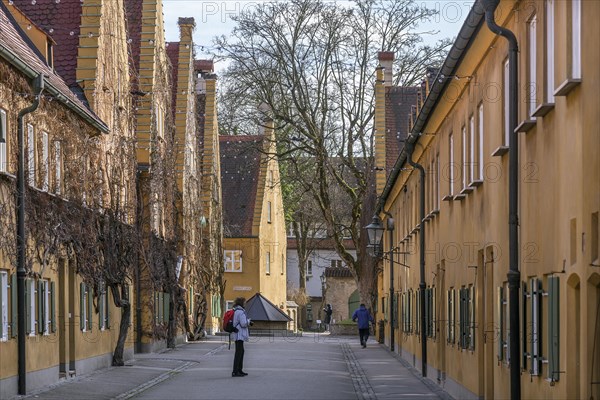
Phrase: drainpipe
[410,147]
[38,87]
[514,276]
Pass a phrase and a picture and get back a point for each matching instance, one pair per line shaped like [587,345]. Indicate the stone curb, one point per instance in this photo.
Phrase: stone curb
[147,385]
[362,386]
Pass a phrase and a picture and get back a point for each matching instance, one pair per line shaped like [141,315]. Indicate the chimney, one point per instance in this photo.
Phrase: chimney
[386,60]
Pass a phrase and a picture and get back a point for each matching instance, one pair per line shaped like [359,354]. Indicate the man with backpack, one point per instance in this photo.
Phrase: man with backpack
[364,317]
[239,326]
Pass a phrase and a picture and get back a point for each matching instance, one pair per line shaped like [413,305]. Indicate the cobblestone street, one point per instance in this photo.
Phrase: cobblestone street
[308,367]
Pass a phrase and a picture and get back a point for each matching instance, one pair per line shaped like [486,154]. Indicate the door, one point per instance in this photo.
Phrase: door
[62,315]
[489,331]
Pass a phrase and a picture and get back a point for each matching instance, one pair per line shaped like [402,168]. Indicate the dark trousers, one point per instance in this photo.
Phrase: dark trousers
[364,335]
[238,359]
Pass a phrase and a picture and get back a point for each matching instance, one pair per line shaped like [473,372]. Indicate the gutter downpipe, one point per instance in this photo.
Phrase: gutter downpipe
[38,87]
[514,275]
[410,147]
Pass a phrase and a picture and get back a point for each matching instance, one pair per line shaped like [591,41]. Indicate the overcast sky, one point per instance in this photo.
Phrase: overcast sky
[213,18]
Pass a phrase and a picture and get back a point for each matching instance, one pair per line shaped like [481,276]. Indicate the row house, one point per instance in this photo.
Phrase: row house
[79,166]
[254,234]
[460,133]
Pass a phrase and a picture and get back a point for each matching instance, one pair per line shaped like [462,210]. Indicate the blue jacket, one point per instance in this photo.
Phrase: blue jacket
[241,322]
[364,317]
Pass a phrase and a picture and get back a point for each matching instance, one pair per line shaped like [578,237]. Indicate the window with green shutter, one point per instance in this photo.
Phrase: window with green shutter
[451,316]
[471,316]
[525,301]
[553,329]
[3,305]
[90,305]
[52,307]
[166,305]
[418,311]
[13,306]
[535,339]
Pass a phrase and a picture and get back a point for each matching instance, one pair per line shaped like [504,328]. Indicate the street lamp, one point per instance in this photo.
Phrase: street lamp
[375,234]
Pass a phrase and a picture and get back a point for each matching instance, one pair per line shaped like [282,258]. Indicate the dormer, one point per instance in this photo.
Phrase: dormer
[38,37]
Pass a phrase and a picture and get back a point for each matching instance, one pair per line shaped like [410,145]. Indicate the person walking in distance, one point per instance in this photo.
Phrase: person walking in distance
[364,317]
[241,335]
[328,311]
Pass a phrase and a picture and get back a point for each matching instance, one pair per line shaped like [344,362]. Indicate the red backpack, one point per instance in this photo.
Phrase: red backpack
[228,321]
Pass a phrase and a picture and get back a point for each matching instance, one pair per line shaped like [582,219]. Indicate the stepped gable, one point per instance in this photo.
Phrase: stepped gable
[240,172]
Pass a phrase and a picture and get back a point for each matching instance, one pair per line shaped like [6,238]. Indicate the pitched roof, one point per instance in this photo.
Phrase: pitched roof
[398,105]
[173,55]
[337,272]
[258,308]
[240,171]
[134,11]
[61,21]
[23,54]
[204,65]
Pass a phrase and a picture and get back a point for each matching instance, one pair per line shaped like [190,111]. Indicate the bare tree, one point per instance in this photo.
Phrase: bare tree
[313,63]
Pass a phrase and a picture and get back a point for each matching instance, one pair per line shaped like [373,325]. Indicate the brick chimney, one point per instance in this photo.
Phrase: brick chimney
[386,60]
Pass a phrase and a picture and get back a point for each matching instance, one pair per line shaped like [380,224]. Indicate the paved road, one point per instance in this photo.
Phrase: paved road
[310,367]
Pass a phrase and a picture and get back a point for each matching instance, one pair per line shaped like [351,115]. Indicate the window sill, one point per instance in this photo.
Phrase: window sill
[476,183]
[526,125]
[461,196]
[543,109]
[500,151]
[467,190]
[448,198]
[566,87]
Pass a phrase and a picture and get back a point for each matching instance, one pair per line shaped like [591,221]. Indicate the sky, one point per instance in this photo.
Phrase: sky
[213,18]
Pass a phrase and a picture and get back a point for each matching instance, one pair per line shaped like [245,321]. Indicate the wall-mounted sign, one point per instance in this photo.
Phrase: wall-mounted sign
[242,288]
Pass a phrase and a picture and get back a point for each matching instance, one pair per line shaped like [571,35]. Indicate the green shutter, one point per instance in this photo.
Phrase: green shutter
[107,311]
[40,306]
[2,308]
[500,323]
[472,318]
[553,329]
[167,304]
[13,306]
[100,308]
[82,306]
[28,326]
[433,313]
[52,307]
[524,323]
[90,304]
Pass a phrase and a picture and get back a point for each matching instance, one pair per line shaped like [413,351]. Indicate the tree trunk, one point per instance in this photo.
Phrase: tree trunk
[122,301]
[172,327]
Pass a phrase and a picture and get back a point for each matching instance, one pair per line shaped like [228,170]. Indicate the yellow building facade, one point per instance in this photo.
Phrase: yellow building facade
[254,241]
[461,137]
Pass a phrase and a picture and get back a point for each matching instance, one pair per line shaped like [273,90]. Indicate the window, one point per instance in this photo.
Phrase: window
[233,261]
[550,51]
[336,263]
[162,303]
[472,143]
[271,179]
[467,318]
[30,307]
[30,155]
[576,39]
[86,295]
[269,212]
[57,168]
[268,263]
[430,312]
[503,327]
[45,307]
[506,83]
[451,315]
[532,302]
[3,306]
[465,157]
[437,182]
[532,89]
[553,339]
[309,271]
[309,312]
[451,191]
[45,162]
[3,140]
[229,304]
[480,142]
[103,308]
[160,121]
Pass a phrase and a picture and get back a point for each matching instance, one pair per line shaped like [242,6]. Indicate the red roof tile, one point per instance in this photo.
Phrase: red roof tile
[240,171]
[173,55]
[61,21]
[337,272]
[16,41]
[204,65]
[398,103]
